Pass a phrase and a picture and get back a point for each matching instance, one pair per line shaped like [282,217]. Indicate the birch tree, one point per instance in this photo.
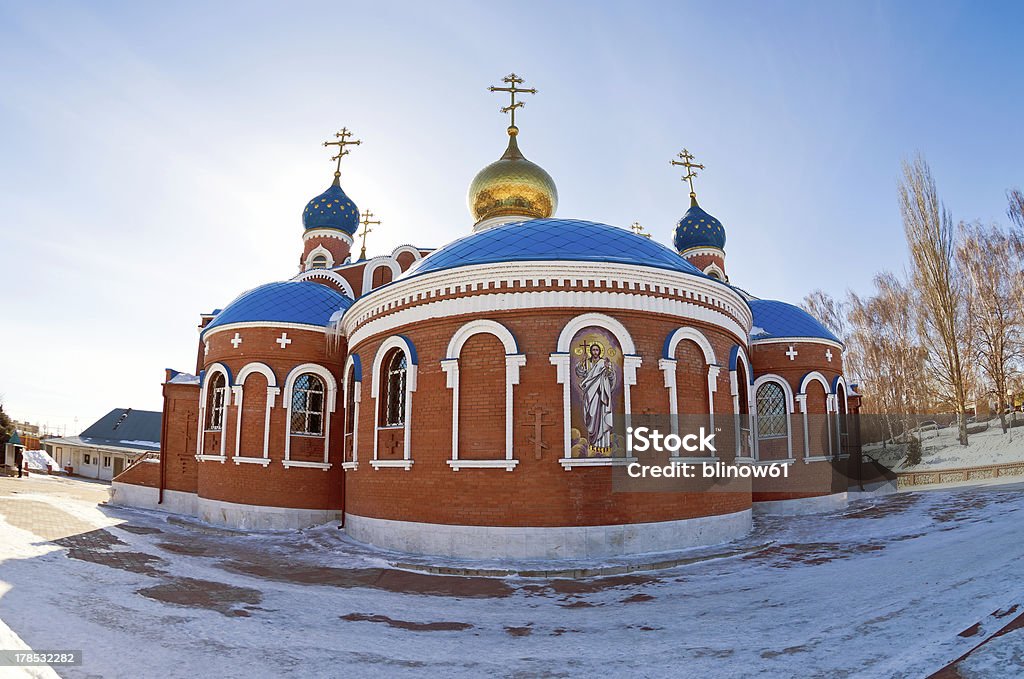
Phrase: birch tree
[931,238]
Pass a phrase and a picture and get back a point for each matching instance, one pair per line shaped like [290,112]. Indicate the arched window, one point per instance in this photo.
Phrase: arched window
[350,403]
[394,389]
[218,395]
[771,411]
[714,274]
[318,262]
[308,405]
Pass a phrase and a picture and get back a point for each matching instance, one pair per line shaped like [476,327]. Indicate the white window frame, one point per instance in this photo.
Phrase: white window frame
[201,453]
[514,360]
[404,345]
[330,401]
[319,250]
[356,397]
[787,392]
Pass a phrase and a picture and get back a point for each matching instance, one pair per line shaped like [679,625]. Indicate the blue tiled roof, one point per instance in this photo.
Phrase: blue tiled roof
[332,209]
[538,240]
[284,302]
[777,320]
[698,229]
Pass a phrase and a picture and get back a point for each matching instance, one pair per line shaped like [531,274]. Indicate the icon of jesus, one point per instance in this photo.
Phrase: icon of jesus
[597,381]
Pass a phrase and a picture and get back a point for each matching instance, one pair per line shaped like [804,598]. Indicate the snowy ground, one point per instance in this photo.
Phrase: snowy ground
[942,450]
[898,586]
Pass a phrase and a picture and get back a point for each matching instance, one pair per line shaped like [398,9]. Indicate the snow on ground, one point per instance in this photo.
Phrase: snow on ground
[885,588]
[942,450]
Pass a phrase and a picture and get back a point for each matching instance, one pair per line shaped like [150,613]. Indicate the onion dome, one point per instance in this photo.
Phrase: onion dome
[302,302]
[512,187]
[698,229]
[782,321]
[332,209]
[550,240]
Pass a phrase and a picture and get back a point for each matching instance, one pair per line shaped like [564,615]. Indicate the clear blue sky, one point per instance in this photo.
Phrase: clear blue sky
[156,157]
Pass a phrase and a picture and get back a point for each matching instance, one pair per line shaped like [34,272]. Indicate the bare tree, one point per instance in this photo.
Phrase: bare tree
[931,239]
[992,271]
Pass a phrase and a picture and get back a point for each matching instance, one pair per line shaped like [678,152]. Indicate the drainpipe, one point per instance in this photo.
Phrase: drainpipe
[163,443]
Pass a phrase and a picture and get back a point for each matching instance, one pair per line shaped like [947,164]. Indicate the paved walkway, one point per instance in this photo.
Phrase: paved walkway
[900,586]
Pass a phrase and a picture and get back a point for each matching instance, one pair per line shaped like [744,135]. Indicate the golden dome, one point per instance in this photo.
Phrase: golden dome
[512,187]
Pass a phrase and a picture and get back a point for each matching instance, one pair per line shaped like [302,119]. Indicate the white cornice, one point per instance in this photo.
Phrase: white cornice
[797,340]
[629,280]
[264,324]
[696,252]
[326,233]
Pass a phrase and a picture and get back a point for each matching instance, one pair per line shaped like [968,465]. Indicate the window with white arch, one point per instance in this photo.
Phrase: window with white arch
[217,397]
[771,411]
[395,374]
[308,395]
[318,262]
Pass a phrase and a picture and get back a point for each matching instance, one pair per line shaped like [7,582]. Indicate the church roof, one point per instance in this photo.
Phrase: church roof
[539,240]
[332,209]
[779,320]
[301,302]
[698,229]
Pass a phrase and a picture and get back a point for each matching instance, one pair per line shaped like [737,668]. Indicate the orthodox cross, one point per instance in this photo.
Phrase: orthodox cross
[366,221]
[636,228]
[393,445]
[341,141]
[513,81]
[687,162]
[538,425]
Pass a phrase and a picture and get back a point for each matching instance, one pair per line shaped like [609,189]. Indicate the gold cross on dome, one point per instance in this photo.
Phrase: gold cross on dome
[341,141]
[687,162]
[513,81]
[638,229]
[366,221]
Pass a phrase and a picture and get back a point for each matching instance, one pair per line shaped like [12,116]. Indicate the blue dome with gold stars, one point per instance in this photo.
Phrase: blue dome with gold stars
[332,209]
[698,229]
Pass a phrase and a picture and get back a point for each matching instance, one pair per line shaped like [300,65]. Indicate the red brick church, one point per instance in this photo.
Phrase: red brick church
[471,400]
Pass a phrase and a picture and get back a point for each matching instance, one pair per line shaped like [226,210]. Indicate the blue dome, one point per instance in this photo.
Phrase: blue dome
[778,320]
[698,229]
[284,302]
[332,209]
[540,240]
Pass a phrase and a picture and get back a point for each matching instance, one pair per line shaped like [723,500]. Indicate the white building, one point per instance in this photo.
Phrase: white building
[107,447]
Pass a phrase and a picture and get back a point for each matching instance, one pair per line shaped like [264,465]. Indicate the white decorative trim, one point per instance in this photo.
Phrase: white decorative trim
[272,392]
[634,287]
[282,325]
[319,250]
[327,274]
[212,370]
[327,233]
[491,222]
[357,394]
[309,465]
[699,251]
[817,458]
[797,340]
[570,462]
[507,464]
[411,370]
[212,458]
[829,402]
[331,401]
[668,366]
[715,271]
[788,393]
[397,464]
[411,249]
[371,265]
[239,459]
[513,362]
